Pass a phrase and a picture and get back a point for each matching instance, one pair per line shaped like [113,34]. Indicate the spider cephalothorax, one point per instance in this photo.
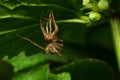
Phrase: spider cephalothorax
[53,44]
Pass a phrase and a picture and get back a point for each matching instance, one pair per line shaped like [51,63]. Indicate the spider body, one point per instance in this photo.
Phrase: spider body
[53,44]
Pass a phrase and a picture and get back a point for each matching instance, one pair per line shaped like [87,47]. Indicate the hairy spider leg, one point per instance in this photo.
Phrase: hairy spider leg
[32,42]
[59,46]
[47,29]
[54,50]
[48,26]
[50,23]
[42,28]
[57,53]
[55,25]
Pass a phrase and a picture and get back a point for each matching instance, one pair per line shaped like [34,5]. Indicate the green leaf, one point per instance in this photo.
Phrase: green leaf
[21,61]
[26,61]
[37,73]
[91,69]
[40,73]
[62,76]
[31,67]
[22,17]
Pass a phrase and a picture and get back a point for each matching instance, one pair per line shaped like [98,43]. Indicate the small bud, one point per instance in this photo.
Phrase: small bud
[94,15]
[103,4]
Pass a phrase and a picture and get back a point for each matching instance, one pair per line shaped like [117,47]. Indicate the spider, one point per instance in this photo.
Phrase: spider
[53,44]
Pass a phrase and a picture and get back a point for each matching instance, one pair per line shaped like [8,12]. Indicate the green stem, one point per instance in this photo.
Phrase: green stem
[115,26]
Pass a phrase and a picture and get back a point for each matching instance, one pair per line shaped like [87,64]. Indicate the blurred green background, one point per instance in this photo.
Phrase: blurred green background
[85,28]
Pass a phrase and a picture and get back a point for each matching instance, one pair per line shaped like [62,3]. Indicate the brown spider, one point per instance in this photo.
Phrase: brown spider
[53,44]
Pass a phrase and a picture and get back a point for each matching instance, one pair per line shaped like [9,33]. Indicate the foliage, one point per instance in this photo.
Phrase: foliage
[84,27]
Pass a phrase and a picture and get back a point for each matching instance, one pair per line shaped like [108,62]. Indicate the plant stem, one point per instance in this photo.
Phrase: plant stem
[115,26]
